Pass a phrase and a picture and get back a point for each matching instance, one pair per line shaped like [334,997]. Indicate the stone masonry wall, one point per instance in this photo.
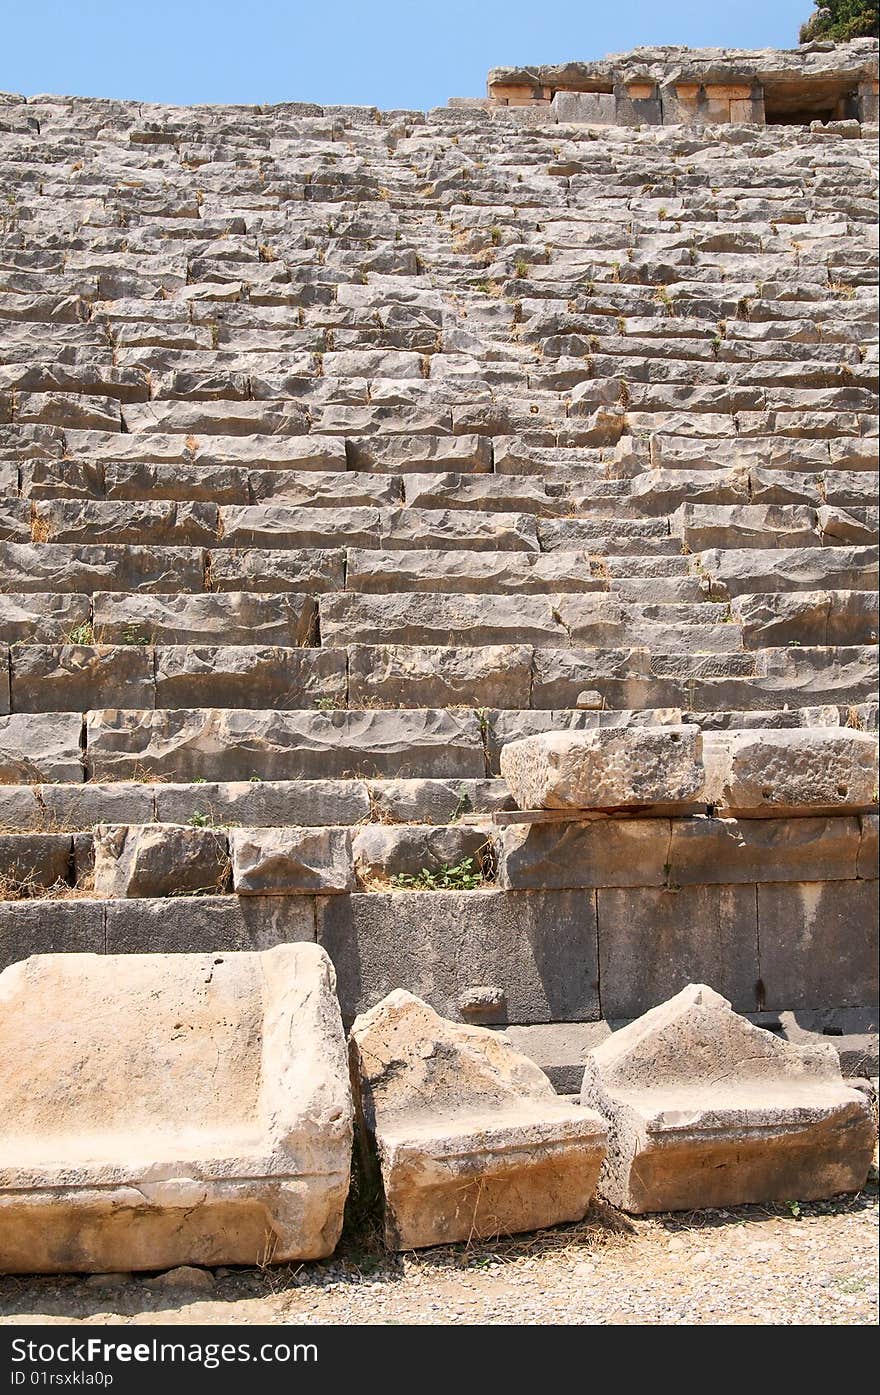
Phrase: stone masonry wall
[340,447]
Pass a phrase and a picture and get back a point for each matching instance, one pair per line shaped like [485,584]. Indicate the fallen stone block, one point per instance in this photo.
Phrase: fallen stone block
[802,768]
[287,861]
[470,1138]
[159,860]
[211,1119]
[605,767]
[704,1109]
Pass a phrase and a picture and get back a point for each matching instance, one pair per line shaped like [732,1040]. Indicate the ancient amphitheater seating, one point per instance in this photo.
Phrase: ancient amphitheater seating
[340,448]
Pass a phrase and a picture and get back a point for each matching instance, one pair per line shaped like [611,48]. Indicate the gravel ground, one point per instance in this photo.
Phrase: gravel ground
[783,1265]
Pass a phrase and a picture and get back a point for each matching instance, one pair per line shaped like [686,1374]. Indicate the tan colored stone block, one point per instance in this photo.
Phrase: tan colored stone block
[706,1110]
[171,1109]
[471,1138]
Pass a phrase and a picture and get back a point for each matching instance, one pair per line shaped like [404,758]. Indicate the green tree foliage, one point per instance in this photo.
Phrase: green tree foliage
[842,19]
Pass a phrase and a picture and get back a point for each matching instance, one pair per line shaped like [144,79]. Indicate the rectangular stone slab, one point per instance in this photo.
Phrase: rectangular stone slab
[605,767]
[210,1121]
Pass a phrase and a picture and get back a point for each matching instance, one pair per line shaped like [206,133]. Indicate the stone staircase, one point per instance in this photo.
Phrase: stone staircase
[340,447]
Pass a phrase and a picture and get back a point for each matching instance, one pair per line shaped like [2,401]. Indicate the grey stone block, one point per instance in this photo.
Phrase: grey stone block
[73,677]
[35,859]
[818,944]
[601,852]
[654,941]
[539,948]
[50,927]
[203,924]
[265,803]
[705,850]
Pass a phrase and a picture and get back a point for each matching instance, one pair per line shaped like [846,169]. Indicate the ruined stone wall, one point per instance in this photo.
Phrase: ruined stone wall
[341,447]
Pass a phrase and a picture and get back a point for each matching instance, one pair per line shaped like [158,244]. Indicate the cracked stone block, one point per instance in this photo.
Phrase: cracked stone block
[288,861]
[381,851]
[470,1138]
[211,1121]
[605,767]
[706,1110]
[159,860]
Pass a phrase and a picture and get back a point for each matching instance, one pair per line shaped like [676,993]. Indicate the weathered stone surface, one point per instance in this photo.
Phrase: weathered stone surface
[492,675]
[248,676]
[49,926]
[238,745]
[706,1110]
[231,617]
[470,1138]
[41,618]
[73,677]
[539,948]
[709,850]
[436,801]
[381,851]
[30,860]
[439,619]
[289,861]
[228,1142]
[796,769]
[603,852]
[264,803]
[184,924]
[605,767]
[653,938]
[159,860]
[40,746]
[819,943]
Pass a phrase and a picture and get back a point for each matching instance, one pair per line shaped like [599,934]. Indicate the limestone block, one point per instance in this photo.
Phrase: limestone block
[289,861]
[71,677]
[704,1110]
[185,924]
[703,526]
[430,619]
[710,850]
[44,925]
[265,803]
[35,859]
[40,746]
[605,767]
[539,948]
[231,617]
[436,801]
[807,617]
[174,1109]
[653,938]
[603,852]
[41,617]
[159,860]
[248,676]
[802,768]
[234,744]
[85,567]
[282,525]
[491,675]
[313,570]
[819,943]
[129,521]
[755,569]
[470,1138]
[381,851]
[498,573]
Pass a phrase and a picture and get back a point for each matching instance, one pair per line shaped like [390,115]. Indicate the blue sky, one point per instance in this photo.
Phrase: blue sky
[388,53]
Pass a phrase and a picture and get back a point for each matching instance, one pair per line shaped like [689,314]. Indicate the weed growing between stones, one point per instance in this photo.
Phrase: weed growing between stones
[465,875]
